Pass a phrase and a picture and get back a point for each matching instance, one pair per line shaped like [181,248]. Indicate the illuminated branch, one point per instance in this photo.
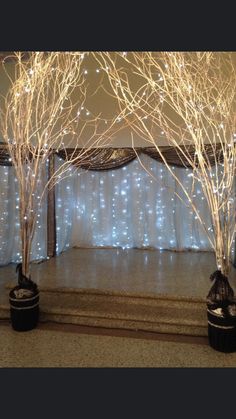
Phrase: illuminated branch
[189,100]
[42,112]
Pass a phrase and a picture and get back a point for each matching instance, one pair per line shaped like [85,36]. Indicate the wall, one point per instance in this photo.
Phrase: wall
[98,102]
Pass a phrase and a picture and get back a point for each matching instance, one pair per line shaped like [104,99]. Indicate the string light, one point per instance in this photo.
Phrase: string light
[37,132]
[208,115]
[139,186]
[10,232]
[121,235]
[112,210]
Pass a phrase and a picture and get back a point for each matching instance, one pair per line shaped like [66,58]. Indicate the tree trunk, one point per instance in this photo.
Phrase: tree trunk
[25,246]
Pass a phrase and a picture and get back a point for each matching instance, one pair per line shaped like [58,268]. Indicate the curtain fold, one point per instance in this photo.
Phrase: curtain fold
[108,200]
[112,158]
[99,158]
[128,207]
[10,241]
[51,213]
[174,156]
[4,157]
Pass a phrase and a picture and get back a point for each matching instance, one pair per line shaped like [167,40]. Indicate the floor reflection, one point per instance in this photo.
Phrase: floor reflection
[128,270]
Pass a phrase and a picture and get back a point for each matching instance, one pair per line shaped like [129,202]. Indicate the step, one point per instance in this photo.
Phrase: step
[93,308]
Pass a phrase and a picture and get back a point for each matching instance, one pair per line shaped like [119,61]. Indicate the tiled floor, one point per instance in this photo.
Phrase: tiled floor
[43,347]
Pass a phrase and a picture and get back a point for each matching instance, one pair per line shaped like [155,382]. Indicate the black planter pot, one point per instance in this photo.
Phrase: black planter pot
[222,328]
[24,308]
[221,314]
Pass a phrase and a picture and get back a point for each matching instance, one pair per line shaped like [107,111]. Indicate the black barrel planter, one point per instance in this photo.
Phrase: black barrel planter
[24,304]
[221,314]
[222,328]
[24,308]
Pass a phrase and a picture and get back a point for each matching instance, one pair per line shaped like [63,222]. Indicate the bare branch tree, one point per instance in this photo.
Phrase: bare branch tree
[42,113]
[187,98]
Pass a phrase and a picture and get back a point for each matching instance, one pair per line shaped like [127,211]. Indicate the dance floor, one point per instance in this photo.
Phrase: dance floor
[140,290]
[126,272]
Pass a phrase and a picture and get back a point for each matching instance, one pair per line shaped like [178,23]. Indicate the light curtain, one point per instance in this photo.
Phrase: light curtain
[10,242]
[125,207]
[128,207]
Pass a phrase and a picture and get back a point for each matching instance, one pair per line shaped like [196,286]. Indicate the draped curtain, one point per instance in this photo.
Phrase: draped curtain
[111,158]
[128,207]
[108,199]
[10,242]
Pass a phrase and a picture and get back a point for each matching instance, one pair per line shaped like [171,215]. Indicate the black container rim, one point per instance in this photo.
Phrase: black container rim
[24,299]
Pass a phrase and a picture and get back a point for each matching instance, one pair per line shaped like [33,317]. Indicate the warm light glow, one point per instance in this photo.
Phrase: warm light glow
[38,117]
[191,99]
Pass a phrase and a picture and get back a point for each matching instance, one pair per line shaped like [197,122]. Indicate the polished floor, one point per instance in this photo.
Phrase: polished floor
[45,347]
[128,271]
[120,272]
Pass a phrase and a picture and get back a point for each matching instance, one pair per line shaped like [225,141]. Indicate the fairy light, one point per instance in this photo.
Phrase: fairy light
[40,132]
[122,193]
[10,231]
[112,221]
[178,70]
[107,215]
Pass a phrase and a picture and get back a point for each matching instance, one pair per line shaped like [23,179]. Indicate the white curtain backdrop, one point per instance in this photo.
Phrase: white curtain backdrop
[10,242]
[125,207]
[128,208]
